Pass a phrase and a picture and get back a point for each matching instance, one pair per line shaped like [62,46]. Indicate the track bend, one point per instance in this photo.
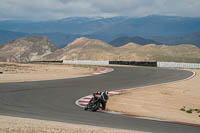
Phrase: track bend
[54,100]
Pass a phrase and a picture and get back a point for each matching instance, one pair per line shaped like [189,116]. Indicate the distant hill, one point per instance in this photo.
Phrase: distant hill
[152,52]
[26,49]
[136,39]
[91,49]
[83,49]
[60,39]
[175,40]
[130,45]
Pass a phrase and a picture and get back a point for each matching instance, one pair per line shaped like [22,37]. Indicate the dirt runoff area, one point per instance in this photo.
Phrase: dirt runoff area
[179,101]
[25,125]
[16,72]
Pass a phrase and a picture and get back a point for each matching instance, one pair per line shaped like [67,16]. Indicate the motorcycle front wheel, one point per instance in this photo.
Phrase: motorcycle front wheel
[95,107]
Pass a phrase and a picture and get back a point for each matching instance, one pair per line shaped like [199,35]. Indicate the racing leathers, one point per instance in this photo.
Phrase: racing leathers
[104,98]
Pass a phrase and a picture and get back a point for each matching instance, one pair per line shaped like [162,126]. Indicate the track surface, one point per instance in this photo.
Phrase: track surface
[54,100]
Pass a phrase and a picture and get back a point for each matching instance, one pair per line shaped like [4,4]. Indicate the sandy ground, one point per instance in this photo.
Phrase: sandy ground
[25,125]
[13,72]
[162,101]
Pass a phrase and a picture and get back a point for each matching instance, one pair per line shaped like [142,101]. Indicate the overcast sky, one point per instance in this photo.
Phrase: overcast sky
[58,9]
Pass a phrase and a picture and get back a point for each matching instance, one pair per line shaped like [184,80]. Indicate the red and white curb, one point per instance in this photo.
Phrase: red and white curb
[106,70]
[82,102]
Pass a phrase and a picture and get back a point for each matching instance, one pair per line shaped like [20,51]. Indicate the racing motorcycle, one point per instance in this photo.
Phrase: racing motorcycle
[94,103]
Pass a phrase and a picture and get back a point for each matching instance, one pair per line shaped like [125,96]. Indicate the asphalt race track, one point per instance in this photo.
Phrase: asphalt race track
[55,100]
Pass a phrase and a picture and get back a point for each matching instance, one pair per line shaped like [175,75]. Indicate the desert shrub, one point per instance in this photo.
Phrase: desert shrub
[183,109]
[189,111]
[197,110]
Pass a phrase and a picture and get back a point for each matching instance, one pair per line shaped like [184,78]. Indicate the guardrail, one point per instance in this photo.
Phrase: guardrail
[86,62]
[136,63]
[110,62]
[58,61]
[178,65]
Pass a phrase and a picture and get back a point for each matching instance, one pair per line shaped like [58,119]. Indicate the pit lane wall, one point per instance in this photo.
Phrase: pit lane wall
[178,65]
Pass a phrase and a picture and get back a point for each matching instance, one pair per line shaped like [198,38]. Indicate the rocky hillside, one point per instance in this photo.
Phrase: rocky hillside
[91,49]
[26,49]
[84,49]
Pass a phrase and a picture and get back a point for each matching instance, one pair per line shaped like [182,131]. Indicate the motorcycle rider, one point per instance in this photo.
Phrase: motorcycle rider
[104,98]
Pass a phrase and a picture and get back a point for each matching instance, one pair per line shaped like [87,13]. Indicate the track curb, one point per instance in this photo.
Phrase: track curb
[106,70]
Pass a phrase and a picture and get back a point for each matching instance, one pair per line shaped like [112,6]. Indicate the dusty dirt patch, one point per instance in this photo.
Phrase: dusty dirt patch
[15,72]
[162,101]
[24,125]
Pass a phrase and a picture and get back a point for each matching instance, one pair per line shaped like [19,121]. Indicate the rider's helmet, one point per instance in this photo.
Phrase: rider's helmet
[105,95]
[106,92]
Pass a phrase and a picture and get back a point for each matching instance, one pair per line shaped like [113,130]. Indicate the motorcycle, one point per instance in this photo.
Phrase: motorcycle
[94,103]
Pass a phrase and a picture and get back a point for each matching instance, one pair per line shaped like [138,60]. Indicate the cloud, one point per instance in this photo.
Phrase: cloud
[57,9]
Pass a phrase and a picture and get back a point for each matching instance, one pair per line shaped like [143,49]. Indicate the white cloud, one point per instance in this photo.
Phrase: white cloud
[57,9]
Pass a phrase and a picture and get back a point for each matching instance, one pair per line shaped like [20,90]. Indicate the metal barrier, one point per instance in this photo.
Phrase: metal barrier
[87,62]
[178,65]
[153,64]
[58,61]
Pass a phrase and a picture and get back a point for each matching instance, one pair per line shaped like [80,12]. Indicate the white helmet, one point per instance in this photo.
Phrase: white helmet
[106,92]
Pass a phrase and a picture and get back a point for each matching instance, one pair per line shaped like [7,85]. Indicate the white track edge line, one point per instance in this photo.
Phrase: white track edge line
[194,73]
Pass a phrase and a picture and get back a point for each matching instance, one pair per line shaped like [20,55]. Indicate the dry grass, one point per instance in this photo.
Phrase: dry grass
[25,125]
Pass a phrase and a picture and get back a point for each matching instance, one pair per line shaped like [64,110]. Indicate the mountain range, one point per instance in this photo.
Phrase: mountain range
[40,48]
[169,30]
